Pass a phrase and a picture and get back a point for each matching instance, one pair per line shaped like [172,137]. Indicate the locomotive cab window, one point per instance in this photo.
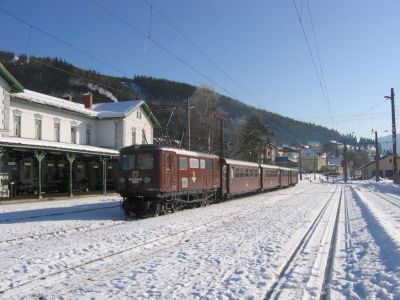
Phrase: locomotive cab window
[208,164]
[127,162]
[183,163]
[145,161]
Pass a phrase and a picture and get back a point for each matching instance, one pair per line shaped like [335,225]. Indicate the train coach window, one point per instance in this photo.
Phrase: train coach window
[194,163]
[183,163]
[145,161]
[127,162]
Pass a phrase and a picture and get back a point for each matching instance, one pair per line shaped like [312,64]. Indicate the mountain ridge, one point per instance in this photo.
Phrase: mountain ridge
[56,77]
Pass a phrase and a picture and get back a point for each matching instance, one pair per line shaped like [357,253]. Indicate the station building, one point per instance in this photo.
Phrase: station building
[51,146]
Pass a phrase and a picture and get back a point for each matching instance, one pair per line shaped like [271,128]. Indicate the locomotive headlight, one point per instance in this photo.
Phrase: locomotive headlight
[146,179]
[122,179]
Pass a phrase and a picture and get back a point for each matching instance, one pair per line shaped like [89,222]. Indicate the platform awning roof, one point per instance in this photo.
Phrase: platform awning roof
[31,144]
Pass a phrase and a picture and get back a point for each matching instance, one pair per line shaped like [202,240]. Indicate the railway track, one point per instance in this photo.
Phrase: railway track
[77,229]
[60,232]
[81,272]
[302,251]
[395,201]
[57,214]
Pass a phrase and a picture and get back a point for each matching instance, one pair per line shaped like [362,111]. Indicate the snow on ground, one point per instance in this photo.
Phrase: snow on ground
[276,245]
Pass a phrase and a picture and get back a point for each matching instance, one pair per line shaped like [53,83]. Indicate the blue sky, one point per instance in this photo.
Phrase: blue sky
[259,44]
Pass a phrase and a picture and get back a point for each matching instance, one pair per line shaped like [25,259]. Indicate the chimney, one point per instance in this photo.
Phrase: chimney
[68,97]
[88,100]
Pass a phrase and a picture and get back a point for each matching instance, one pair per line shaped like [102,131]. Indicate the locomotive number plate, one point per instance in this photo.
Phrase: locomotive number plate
[135,180]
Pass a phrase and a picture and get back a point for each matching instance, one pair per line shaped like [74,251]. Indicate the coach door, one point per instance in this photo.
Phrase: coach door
[168,172]
[224,179]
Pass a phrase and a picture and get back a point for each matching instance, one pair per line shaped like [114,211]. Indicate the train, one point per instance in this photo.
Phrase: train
[156,179]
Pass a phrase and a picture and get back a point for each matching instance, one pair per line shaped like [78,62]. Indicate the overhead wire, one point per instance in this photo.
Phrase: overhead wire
[69,45]
[314,63]
[148,37]
[202,52]
[205,55]
[159,45]
[317,50]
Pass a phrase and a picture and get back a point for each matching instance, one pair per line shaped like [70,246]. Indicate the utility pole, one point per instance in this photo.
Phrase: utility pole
[345,161]
[301,174]
[188,112]
[221,146]
[314,166]
[391,97]
[376,158]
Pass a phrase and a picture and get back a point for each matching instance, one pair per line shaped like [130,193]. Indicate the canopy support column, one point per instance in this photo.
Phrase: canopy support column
[39,156]
[104,175]
[71,158]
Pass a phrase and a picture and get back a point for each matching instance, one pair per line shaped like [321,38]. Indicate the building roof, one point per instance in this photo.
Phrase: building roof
[372,162]
[47,100]
[16,142]
[14,84]
[122,109]
[100,110]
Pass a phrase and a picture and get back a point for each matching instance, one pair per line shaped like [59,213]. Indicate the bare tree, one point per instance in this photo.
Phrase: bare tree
[203,125]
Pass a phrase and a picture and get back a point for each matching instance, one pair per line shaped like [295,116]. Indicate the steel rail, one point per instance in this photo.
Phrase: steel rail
[302,243]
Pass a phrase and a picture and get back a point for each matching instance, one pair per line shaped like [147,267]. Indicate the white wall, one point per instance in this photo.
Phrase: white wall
[103,132]
[139,123]
[48,115]
[4,106]
[106,133]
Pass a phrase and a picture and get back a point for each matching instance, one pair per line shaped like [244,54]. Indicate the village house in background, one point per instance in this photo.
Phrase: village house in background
[368,171]
[51,145]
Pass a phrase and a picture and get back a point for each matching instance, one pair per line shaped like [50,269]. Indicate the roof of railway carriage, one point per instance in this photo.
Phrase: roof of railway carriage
[171,149]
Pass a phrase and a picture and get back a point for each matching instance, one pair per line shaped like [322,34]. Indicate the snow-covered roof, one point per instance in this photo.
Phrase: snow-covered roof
[14,84]
[100,110]
[270,167]
[122,109]
[16,142]
[241,163]
[44,99]
[116,109]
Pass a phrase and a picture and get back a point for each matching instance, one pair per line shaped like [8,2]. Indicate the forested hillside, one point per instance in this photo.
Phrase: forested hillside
[168,100]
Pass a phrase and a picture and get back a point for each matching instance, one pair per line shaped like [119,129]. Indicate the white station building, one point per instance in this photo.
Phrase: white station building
[50,145]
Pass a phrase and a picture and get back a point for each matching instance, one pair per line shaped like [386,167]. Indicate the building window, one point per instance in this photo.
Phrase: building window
[17,125]
[73,134]
[57,131]
[144,140]
[139,114]
[88,135]
[116,135]
[38,129]
[133,136]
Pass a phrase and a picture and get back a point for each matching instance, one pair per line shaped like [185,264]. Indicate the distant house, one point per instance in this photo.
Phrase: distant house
[52,145]
[312,160]
[284,161]
[368,171]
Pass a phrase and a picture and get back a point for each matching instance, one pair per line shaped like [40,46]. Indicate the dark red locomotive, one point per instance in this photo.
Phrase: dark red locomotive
[155,179]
